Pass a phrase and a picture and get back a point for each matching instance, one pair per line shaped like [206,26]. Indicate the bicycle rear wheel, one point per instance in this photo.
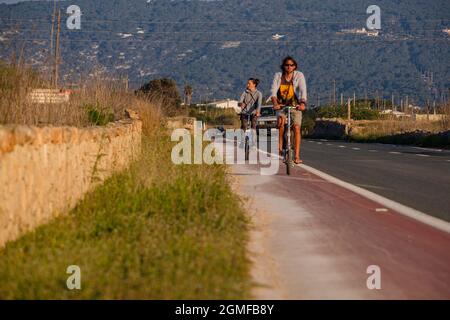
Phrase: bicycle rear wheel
[247,148]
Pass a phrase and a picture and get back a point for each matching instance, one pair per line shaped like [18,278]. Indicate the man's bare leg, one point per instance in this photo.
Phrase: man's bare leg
[298,139]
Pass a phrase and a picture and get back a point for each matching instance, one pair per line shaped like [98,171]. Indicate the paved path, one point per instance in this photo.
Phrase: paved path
[313,239]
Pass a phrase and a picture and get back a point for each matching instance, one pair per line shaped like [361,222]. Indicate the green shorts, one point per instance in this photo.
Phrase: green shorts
[296,116]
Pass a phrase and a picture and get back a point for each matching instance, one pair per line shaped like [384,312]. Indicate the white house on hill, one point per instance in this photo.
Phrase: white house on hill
[226,104]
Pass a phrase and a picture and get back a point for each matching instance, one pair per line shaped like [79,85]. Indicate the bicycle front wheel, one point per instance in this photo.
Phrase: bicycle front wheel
[247,148]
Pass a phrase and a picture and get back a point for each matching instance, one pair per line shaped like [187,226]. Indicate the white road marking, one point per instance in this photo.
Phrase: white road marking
[385,202]
[319,142]
[422,155]
[394,152]
[356,148]
[329,144]
[342,147]
[381,210]
[428,149]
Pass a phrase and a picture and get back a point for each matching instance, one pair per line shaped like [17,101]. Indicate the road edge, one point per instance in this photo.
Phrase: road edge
[398,207]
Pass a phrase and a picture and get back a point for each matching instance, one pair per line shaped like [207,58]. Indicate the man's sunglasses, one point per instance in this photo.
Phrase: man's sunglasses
[289,65]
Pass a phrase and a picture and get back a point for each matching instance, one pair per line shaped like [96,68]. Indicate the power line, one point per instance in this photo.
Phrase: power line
[344,21]
[234,40]
[205,32]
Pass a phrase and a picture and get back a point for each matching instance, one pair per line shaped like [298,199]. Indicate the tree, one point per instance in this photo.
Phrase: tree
[164,90]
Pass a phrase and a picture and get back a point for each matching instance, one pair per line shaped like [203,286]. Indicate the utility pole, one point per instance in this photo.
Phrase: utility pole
[342,99]
[57,51]
[392,103]
[365,98]
[349,110]
[376,100]
[334,92]
[354,99]
[126,83]
[50,57]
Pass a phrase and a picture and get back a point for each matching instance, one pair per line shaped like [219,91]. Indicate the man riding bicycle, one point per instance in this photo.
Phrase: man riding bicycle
[250,104]
[289,89]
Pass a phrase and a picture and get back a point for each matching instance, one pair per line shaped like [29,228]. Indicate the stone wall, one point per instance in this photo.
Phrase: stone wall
[330,129]
[45,171]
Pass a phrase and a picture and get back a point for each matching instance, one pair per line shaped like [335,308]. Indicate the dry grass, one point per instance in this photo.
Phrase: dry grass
[97,103]
[380,128]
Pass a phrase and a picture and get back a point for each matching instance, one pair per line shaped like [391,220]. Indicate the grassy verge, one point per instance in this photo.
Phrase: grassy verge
[155,231]
[215,116]
[415,138]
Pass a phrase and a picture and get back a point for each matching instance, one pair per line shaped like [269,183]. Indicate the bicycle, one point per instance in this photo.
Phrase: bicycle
[288,150]
[248,135]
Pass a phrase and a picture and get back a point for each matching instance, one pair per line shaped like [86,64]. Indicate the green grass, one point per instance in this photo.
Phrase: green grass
[156,231]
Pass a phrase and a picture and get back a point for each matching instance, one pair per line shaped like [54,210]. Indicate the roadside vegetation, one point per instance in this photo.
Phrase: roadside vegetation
[369,125]
[97,102]
[215,116]
[154,231]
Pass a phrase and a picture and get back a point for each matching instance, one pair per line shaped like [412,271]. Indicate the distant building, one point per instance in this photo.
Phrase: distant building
[225,104]
[394,113]
[362,31]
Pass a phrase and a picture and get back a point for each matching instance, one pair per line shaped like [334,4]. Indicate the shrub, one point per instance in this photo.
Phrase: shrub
[99,115]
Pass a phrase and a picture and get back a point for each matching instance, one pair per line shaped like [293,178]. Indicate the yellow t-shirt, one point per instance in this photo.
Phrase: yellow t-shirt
[286,94]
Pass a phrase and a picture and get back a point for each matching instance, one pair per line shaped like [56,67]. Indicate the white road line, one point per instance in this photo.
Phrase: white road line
[342,147]
[394,152]
[319,142]
[422,155]
[385,202]
[329,144]
[428,149]
[356,148]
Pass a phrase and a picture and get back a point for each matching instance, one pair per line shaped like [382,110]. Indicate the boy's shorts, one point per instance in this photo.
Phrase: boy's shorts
[296,116]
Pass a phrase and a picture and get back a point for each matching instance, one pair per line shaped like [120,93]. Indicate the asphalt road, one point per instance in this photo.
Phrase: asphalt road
[416,177]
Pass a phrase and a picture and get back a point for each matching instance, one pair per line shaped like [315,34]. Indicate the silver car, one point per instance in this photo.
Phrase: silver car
[267,119]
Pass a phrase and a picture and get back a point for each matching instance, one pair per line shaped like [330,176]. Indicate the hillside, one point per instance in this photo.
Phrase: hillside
[216,45]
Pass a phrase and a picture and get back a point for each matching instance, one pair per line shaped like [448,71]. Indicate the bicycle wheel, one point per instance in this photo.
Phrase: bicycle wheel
[287,161]
[247,148]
